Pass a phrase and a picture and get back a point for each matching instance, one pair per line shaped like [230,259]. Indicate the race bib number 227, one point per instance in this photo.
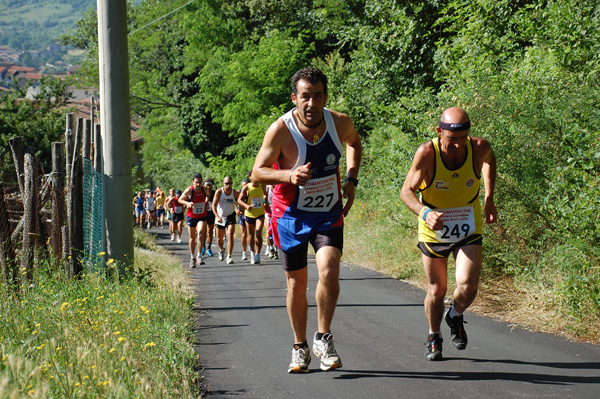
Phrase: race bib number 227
[319,195]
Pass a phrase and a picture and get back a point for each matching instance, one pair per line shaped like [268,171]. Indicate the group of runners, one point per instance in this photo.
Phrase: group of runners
[206,208]
[149,209]
[299,162]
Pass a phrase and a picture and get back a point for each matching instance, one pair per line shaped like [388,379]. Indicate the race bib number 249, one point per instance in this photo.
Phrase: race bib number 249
[459,223]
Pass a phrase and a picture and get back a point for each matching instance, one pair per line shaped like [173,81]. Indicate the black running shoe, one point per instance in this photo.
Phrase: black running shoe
[458,335]
[434,347]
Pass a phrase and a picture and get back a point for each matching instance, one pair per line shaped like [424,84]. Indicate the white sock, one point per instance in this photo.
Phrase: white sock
[453,313]
[438,333]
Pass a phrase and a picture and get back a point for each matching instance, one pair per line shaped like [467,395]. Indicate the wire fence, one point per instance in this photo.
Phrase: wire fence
[92,213]
[58,214]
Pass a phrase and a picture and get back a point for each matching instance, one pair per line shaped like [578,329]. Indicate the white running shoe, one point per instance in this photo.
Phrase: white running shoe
[220,254]
[192,263]
[178,240]
[324,349]
[300,359]
[200,260]
[256,259]
[252,258]
[229,260]
[267,251]
[244,256]
[172,237]
[275,253]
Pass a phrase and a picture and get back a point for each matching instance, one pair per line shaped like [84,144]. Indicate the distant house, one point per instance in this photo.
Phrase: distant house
[15,72]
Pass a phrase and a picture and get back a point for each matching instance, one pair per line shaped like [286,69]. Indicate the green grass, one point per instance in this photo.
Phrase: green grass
[98,337]
[382,241]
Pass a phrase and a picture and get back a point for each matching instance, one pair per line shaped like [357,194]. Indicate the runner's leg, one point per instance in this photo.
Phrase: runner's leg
[328,287]
[296,302]
[468,269]
[437,281]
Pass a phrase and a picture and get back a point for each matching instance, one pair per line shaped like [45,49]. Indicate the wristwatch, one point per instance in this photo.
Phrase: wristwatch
[353,180]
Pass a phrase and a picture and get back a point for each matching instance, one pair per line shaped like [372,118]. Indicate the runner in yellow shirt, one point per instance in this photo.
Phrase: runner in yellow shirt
[447,171]
[254,212]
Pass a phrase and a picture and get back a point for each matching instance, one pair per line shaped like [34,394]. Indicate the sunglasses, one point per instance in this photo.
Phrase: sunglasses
[228,184]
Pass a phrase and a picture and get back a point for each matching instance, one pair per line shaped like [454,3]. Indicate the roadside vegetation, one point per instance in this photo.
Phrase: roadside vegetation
[99,336]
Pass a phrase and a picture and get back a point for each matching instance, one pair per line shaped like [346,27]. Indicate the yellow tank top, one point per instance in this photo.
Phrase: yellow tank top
[256,197]
[456,193]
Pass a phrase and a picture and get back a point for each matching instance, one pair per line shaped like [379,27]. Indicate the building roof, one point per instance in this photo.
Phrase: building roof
[18,69]
[32,76]
[83,110]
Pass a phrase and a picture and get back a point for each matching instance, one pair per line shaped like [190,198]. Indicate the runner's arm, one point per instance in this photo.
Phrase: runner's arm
[183,198]
[242,195]
[270,152]
[236,196]
[418,173]
[216,200]
[353,156]
[488,170]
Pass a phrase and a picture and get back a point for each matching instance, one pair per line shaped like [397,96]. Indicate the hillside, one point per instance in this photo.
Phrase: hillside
[33,24]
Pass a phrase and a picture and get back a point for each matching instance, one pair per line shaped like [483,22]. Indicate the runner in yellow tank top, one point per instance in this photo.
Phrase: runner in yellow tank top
[447,171]
[256,198]
[251,199]
[455,193]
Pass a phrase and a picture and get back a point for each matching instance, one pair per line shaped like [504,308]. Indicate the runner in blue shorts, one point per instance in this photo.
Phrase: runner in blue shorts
[195,197]
[300,155]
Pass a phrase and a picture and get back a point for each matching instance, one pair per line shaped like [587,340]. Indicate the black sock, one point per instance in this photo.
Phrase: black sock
[299,345]
[321,335]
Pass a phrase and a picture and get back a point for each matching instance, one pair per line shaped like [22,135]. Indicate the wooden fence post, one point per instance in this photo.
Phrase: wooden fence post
[17,145]
[98,149]
[58,197]
[68,161]
[87,138]
[70,128]
[76,204]
[29,216]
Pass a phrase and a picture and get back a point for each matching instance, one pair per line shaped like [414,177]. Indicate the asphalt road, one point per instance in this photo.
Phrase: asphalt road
[245,342]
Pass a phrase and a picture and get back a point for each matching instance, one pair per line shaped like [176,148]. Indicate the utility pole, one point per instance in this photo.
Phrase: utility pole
[115,127]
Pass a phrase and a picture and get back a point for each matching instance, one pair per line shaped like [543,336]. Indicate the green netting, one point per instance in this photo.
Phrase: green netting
[92,213]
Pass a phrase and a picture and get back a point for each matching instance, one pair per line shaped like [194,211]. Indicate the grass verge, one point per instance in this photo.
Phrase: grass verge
[100,337]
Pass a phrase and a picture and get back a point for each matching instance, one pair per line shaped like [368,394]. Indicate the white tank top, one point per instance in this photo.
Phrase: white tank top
[226,205]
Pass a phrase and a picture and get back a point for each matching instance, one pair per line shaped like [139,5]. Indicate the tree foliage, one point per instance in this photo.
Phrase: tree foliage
[40,121]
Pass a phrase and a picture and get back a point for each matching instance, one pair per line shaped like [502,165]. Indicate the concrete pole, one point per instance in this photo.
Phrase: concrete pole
[116,127]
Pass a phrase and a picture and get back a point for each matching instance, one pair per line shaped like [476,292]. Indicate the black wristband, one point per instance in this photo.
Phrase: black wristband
[353,180]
